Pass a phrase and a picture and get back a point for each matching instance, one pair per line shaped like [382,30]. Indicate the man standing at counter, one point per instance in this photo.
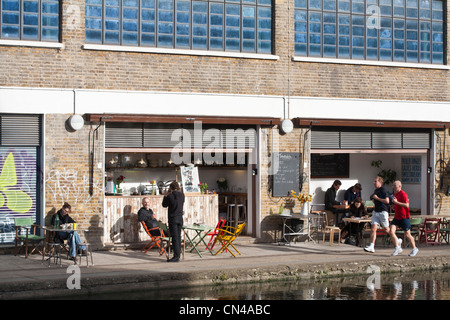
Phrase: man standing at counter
[174,201]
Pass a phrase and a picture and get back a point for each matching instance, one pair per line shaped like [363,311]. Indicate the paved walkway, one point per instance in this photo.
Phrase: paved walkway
[27,278]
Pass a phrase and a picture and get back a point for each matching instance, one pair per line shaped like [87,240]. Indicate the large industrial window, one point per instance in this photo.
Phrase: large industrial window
[223,25]
[35,20]
[380,30]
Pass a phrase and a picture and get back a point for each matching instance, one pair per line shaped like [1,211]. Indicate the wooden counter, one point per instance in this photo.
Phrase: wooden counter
[120,218]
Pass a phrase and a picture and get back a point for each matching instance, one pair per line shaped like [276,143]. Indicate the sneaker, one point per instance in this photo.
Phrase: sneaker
[414,252]
[397,251]
[369,249]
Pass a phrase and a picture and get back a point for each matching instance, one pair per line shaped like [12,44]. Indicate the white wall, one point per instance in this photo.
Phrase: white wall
[361,171]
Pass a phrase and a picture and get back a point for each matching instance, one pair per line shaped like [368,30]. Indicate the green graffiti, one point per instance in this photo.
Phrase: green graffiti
[16,200]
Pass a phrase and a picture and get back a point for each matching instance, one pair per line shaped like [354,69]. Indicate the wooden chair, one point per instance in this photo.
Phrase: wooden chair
[226,236]
[215,232]
[155,240]
[430,231]
[330,230]
[30,236]
[167,239]
[445,230]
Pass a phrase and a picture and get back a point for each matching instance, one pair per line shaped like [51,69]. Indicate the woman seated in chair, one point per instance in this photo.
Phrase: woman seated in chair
[357,210]
[72,237]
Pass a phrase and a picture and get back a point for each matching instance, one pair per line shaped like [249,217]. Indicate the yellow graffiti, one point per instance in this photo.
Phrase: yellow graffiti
[16,200]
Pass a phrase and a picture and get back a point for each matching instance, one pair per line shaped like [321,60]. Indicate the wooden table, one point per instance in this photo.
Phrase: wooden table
[357,220]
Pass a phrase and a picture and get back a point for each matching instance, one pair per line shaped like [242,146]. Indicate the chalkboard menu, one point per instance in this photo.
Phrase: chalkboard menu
[286,173]
[330,165]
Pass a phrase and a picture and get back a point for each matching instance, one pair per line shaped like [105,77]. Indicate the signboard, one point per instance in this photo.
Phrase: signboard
[189,178]
[330,165]
[411,169]
[286,178]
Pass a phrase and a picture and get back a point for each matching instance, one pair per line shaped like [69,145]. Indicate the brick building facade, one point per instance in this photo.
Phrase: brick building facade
[58,79]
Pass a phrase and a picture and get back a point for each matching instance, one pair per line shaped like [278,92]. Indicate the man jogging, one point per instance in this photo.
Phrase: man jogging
[380,215]
[401,219]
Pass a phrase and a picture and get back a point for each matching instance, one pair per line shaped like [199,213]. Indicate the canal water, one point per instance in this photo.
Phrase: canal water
[424,285]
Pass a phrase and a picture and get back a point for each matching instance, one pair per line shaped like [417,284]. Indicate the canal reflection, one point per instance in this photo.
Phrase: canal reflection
[425,285]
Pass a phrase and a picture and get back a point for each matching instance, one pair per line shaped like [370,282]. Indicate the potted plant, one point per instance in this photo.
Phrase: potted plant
[203,187]
[119,180]
[389,175]
[304,199]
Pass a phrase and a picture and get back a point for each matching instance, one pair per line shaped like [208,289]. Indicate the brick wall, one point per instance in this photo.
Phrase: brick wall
[67,174]
[273,141]
[74,67]
[442,172]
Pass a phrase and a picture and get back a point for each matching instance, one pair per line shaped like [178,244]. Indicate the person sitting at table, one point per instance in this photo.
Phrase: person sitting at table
[149,217]
[72,237]
[352,193]
[357,210]
[330,200]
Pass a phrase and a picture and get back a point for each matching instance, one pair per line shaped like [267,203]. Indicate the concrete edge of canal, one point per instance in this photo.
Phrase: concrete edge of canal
[102,283]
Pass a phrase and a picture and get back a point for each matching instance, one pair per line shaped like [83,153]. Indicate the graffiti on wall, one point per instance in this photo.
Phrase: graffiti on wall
[17,188]
[69,185]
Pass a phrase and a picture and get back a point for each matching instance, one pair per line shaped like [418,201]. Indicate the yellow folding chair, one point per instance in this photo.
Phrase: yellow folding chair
[226,236]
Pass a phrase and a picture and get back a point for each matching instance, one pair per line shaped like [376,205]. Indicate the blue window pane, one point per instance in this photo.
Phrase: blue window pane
[10,32]
[315,4]
[148,4]
[93,36]
[329,5]
[130,3]
[112,37]
[110,12]
[148,27]
[183,29]
[31,6]
[165,27]
[93,24]
[51,21]
[30,19]
[165,4]
[112,2]
[10,18]
[216,32]
[148,15]
[399,55]
[300,38]
[129,38]
[344,52]
[147,39]
[232,45]
[300,15]
[93,11]
[10,5]
[300,3]
[112,24]
[182,42]
[329,51]
[199,30]
[300,49]
[50,34]
[372,54]
[344,5]
[30,32]
[183,17]
[314,50]
[130,13]
[264,47]
[438,58]
[399,44]
[248,46]
[98,2]
[215,43]
[130,26]
[372,43]
[165,40]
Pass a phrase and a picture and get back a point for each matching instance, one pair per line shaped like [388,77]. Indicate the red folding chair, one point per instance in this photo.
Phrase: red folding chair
[215,232]
[155,240]
[430,231]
